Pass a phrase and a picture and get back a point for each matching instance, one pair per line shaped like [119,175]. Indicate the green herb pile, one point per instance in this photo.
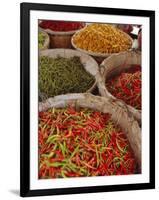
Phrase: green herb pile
[41,40]
[63,75]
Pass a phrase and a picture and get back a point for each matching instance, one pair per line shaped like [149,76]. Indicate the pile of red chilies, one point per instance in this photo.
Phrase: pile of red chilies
[127,87]
[82,143]
[61,25]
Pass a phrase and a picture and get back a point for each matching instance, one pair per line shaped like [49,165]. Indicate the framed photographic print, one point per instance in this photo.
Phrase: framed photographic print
[87,99]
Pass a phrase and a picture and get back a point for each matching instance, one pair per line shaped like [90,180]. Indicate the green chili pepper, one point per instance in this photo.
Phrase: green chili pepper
[122,150]
[70,148]
[75,151]
[52,138]
[57,164]
[55,73]
[63,174]
[63,148]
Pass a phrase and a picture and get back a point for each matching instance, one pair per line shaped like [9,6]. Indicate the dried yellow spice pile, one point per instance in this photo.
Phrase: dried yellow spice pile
[102,38]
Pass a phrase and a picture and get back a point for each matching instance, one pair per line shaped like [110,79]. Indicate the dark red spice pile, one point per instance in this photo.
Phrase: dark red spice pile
[127,86]
[61,25]
[82,143]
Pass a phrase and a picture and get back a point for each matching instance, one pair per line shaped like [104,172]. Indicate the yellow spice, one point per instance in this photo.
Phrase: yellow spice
[102,38]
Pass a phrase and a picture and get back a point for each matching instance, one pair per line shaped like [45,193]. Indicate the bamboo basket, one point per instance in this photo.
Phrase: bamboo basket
[99,57]
[114,65]
[47,40]
[88,62]
[118,111]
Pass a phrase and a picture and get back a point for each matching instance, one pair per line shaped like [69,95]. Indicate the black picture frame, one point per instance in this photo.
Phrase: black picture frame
[25,9]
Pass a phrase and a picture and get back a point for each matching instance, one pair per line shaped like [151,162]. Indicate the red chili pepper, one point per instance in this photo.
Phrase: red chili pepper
[61,25]
[127,86]
[76,144]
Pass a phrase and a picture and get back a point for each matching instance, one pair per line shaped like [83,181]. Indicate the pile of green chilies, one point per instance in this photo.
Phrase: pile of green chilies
[63,75]
[82,143]
[127,86]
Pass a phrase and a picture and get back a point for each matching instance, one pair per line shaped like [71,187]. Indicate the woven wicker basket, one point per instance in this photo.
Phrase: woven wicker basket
[118,112]
[114,65]
[88,62]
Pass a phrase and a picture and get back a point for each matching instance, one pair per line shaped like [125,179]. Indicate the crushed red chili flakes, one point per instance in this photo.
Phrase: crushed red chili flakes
[61,25]
[82,143]
[127,86]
